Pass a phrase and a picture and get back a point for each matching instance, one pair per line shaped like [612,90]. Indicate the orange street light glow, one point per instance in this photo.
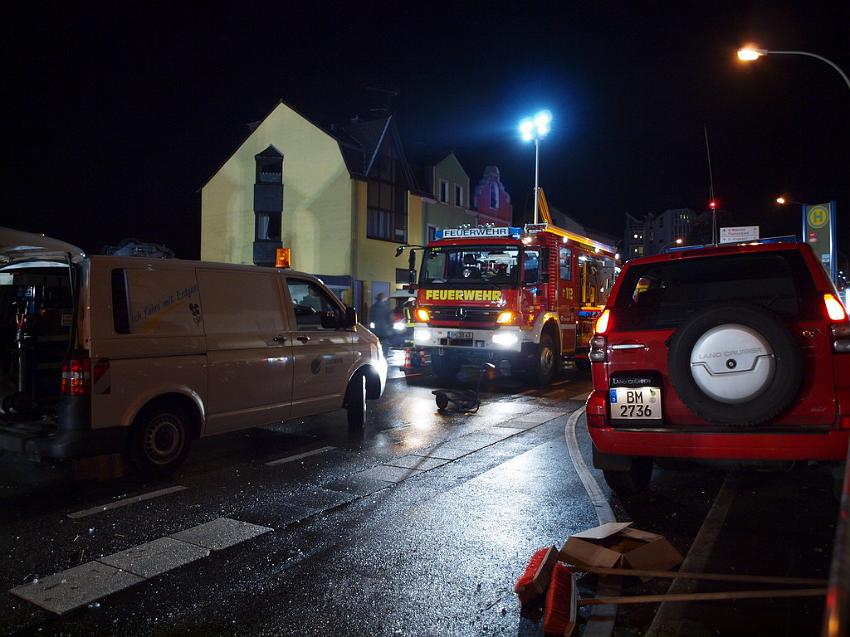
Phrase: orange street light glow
[749,53]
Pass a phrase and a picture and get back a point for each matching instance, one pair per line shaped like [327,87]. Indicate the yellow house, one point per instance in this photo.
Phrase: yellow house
[341,200]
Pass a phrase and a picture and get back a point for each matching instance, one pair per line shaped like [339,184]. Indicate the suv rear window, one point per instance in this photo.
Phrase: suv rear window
[662,295]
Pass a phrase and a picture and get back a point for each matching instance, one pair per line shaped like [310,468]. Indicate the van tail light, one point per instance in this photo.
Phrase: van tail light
[597,409]
[597,349]
[602,322]
[834,308]
[76,376]
[840,337]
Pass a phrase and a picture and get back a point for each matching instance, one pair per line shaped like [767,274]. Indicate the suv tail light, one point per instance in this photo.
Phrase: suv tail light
[597,348]
[834,308]
[76,376]
[597,409]
[841,335]
[602,322]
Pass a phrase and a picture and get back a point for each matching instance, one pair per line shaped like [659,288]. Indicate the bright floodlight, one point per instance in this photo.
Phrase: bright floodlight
[748,54]
[781,201]
[526,129]
[542,122]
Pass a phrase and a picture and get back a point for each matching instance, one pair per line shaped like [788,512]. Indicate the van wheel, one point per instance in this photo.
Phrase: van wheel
[631,481]
[544,363]
[160,440]
[355,401]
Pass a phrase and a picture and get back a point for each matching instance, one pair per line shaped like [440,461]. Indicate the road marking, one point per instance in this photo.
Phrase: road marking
[668,619]
[299,456]
[66,590]
[155,558]
[601,621]
[75,587]
[125,501]
[221,533]
[594,491]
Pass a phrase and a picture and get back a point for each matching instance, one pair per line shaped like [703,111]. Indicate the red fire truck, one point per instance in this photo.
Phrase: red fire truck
[523,298]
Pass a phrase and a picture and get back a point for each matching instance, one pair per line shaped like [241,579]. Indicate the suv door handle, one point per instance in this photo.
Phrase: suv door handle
[303,339]
[280,338]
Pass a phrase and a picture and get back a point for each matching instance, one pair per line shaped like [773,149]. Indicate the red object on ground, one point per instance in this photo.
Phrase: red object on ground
[561,602]
[534,580]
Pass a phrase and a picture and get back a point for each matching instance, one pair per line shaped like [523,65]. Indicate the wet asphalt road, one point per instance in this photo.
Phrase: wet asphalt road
[419,525]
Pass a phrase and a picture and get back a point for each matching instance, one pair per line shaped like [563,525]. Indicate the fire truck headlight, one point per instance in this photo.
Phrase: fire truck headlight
[423,315]
[421,334]
[399,326]
[505,339]
[505,318]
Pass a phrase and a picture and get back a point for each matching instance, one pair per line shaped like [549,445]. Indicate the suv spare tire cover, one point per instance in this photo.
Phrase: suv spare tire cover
[735,364]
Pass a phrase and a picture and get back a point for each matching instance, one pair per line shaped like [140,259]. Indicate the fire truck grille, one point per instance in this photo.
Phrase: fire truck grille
[464,314]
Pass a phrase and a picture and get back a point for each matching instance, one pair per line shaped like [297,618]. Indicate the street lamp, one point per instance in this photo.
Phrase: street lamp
[751,54]
[784,200]
[535,128]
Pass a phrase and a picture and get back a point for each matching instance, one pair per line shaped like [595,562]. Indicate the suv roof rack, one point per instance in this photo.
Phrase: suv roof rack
[789,238]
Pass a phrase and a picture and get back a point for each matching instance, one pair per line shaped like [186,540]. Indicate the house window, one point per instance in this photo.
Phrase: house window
[494,196]
[386,212]
[269,166]
[432,233]
[444,191]
[267,226]
[459,196]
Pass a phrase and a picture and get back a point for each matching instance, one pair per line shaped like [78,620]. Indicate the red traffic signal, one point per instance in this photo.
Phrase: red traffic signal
[712,204]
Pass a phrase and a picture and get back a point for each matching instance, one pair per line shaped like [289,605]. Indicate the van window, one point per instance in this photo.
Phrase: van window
[309,301]
[162,302]
[239,302]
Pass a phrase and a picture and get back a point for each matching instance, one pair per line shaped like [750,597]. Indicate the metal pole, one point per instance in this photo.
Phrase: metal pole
[817,57]
[536,174]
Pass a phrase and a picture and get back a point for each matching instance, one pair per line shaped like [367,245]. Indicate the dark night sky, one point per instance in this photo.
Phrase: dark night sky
[118,116]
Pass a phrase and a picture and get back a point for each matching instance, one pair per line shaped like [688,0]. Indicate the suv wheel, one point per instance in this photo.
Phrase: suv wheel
[631,481]
[736,364]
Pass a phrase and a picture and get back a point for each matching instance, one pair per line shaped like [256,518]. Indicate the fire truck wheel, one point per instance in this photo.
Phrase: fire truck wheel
[355,401]
[543,366]
[445,367]
[160,439]
[631,481]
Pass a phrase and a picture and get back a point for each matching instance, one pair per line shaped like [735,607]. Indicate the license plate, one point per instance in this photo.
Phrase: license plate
[460,336]
[635,403]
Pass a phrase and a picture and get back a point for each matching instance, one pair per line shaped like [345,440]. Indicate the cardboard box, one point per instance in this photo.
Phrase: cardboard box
[617,545]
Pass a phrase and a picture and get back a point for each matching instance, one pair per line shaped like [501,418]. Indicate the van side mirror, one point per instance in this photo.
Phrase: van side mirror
[350,318]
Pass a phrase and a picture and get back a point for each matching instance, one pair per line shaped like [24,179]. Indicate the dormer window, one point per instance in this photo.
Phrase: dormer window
[269,166]
[444,191]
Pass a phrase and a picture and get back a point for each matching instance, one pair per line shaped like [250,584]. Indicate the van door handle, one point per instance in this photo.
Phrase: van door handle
[303,339]
[280,338]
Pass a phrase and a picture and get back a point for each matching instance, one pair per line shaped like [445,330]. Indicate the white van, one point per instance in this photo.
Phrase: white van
[124,354]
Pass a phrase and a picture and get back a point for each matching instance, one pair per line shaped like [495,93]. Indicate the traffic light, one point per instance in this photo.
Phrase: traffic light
[712,204]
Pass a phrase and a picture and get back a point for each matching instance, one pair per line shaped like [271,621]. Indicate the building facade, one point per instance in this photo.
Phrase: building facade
[341,199]
[657,232]
[445,186]
[491,201]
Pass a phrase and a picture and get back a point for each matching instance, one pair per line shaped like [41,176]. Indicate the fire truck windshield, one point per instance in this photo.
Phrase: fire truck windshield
[475,264]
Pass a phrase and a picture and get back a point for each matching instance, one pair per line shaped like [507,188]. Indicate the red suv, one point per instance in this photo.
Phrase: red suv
[738,352]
